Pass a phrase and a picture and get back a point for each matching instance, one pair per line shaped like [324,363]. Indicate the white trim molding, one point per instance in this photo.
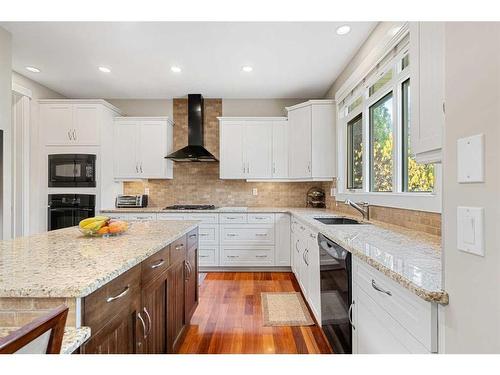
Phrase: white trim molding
[21,90]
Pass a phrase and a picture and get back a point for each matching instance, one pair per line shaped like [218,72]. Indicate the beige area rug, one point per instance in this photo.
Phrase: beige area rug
[285,309]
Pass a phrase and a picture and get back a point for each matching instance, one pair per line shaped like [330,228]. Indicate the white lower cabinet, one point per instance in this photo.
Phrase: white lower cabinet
[388,318]
[131,216]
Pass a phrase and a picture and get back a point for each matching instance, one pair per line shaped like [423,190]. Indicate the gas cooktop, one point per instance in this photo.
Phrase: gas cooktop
[190,207]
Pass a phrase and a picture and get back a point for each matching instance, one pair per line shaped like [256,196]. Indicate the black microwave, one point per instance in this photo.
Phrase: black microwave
[72,170]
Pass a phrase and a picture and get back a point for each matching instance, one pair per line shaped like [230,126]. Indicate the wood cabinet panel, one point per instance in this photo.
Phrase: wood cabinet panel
[175,305]
[153,334]
[155,265]
[191,286]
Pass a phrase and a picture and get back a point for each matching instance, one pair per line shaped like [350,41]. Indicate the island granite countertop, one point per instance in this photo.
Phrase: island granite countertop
[64,263]
[411,258]
[73,337]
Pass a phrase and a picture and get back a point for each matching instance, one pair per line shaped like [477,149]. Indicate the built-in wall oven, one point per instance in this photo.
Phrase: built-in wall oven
[72,170]
[336,294]
[67,210]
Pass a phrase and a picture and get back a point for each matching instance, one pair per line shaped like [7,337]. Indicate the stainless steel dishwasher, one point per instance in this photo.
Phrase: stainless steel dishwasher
[336,294]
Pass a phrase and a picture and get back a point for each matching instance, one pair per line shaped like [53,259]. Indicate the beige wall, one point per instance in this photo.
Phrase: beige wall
[5,125]
[38,91]
[472,94]
[144,107]
[257,107]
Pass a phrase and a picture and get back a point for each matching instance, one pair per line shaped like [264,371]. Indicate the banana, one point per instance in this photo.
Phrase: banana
[95,226]
[91,220]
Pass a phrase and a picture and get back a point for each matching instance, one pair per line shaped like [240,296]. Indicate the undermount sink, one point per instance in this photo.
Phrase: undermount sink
[337,220]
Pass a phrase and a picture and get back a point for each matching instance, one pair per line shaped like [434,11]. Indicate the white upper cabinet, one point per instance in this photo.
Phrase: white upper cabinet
[71,123]
[247,148]
[427,90]
[311,140]
[141,144]
[280,149]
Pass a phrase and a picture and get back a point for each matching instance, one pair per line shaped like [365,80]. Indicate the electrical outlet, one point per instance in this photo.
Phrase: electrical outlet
[332,192]
[254,191]
[146,191]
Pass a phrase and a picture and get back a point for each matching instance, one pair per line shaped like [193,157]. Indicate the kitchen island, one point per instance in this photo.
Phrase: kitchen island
[124,288]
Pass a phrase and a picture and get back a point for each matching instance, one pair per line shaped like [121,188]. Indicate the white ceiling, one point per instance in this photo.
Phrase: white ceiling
[289,59]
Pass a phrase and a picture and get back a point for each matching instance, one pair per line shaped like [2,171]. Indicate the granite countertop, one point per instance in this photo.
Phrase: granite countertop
[72,340]
[412,259]
[64,263]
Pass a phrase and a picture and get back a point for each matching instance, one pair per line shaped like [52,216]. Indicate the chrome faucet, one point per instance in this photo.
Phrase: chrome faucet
[364,210]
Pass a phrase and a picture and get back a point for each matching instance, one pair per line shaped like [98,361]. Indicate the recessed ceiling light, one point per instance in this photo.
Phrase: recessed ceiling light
[344,29]
[175,69]
[247,68]
[33,69]
[104,69]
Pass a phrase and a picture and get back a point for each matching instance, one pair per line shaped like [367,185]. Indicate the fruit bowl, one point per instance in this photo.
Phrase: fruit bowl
[102,226]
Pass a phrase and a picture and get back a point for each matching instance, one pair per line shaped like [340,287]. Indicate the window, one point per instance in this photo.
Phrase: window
[381,144]
[355,104]
[381,82]
[355,153]
[405,61]
[416,177]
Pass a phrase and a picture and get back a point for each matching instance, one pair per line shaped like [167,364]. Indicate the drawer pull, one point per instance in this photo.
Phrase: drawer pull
[125,291]
[178,247]
[233,256]
[260,218]
[204,256]
[312,235]
[232,235]
[144,334]
[349,315]
[377,288]
[149,321]
[231,217]
[261,234]
[203,234]
[261,256]
[159,264]
[192,236]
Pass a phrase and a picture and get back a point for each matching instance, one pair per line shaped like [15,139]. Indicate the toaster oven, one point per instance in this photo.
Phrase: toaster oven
[131,201]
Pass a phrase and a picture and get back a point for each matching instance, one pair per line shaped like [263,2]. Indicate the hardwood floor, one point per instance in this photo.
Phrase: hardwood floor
[229,318]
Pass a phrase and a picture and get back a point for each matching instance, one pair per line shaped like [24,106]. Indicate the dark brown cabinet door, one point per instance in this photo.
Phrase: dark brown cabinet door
[153,332]
[116,337]
[191,284]
[175,305]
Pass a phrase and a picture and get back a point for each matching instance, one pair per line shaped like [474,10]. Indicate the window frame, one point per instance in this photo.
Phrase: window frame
[428,201]
[349,156]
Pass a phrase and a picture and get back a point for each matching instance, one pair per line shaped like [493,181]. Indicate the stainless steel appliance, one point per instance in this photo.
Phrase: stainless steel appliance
[315,198]
[72,170]
[67,210]
[132,201]
[190,207]
[336,294]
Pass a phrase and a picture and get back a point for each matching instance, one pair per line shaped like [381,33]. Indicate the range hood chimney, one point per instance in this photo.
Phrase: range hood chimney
[195,150]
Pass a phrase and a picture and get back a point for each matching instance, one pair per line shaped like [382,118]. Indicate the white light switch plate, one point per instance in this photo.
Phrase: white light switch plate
[470,155]
[254,191]
[470,230]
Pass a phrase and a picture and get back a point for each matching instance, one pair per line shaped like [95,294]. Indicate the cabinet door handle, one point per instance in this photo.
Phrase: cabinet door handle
[312,235]
[74,134]
[178,247]
[379,289]
[69,135]
[137,168]
[149,321]
[297,245]
[192,235]
[243,166]
[141,167]
[125,291]
[349,315]
[159,264]
[144,334]
[274,167]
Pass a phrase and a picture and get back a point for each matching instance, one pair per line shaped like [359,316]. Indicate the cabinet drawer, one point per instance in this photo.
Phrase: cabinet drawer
[250,233]
[208,257]
[204,218]
[419,317]
[379,333]
[171,216]
[110,299]
[263,256]
[192,238]
[155,265]
[260,218]
[178,250]
[233,218]
[209,234]
[132,216]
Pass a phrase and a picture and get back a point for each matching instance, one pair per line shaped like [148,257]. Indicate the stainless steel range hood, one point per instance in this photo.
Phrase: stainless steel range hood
[195,150]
